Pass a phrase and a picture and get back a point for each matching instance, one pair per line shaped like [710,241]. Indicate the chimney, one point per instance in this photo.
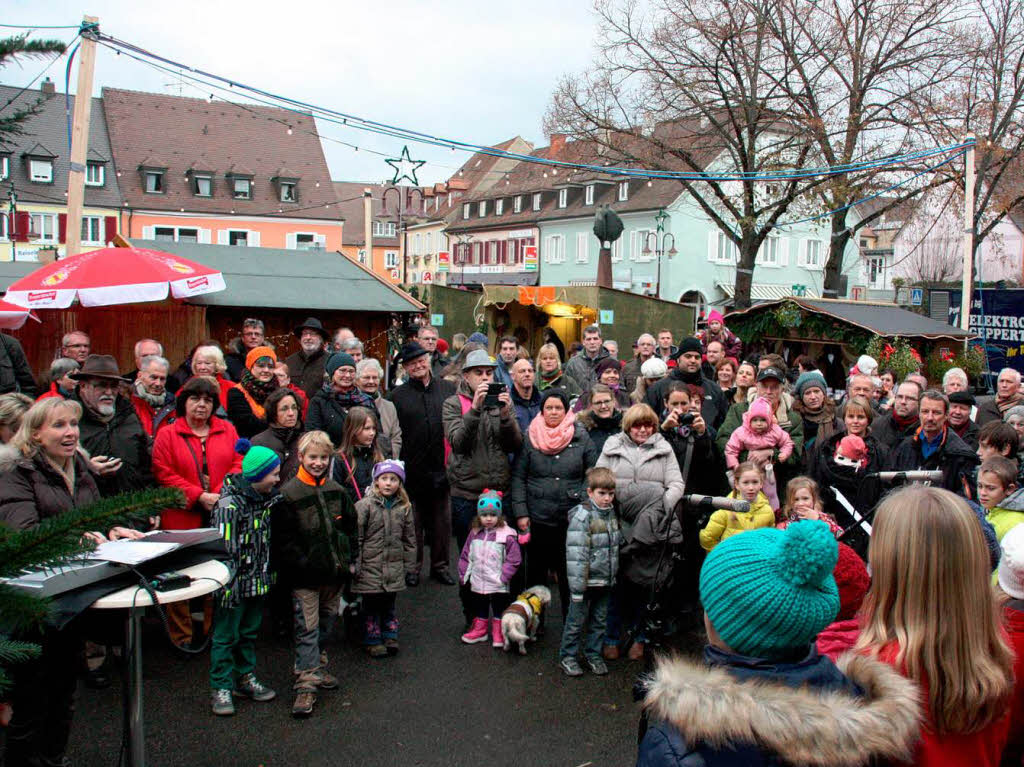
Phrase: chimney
[557,145]
[47,86]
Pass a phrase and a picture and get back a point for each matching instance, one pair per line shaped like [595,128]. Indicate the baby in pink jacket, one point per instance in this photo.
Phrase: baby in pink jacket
[760,432]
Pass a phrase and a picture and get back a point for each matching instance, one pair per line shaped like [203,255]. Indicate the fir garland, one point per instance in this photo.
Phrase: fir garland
[781,321]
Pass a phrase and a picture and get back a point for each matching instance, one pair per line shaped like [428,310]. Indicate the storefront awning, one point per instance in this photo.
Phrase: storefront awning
[767,291]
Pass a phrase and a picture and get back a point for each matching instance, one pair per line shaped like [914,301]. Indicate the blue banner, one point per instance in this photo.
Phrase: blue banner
[997,316]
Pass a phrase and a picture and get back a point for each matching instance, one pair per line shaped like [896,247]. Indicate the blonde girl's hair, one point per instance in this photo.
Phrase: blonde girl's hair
[315,439]
[401,495]
[354,423]
[800,483]
[35,418]
[931,595]
[546,349]
[13,407]
[743,468]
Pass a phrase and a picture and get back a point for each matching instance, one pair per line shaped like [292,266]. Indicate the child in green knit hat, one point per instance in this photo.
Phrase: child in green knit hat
[763,694]
[243,516]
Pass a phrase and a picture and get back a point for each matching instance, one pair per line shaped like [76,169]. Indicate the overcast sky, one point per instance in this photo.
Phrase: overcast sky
[454,68]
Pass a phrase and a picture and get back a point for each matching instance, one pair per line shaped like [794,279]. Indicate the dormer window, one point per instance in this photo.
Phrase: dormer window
[517,204]
[154,180]
[287,185]
[499,207]
[482,208]
[5,167]
[623,191]
[241,188]
[95,174]
[202,184]
[40,171]
[563,198]
[536,200]
[465,210]
[589,195]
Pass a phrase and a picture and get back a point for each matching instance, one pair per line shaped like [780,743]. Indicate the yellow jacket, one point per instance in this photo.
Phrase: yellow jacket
[725,523]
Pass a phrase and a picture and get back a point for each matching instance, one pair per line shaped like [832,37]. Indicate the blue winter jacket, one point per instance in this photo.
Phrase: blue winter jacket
[735,711]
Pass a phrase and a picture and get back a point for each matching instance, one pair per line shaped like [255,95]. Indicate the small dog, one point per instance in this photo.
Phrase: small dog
[520,620]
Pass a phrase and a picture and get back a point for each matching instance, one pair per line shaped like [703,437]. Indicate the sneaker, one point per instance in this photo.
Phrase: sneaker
[477,631]
[571,666]
[325,680]
[377,651]
[303,705]
[391,645]
[251,687]
[597,666]
[221,703]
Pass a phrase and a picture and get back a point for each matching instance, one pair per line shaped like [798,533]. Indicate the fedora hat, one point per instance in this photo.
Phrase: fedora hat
[479,358]
[311,323]
[99,366]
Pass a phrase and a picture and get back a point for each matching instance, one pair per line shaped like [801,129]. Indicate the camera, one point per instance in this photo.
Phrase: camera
[686,419]
[494,389]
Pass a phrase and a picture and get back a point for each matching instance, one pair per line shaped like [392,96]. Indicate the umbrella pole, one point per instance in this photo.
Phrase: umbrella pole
[80,138]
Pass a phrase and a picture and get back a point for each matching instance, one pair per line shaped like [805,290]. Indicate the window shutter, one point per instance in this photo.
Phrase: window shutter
[713,245]
[801,253]
[547,249]
[289,241]
[254,239]
[204,236]
[109,228]
[22,223]
[62,227]
[783,251]
[223,237]
[632,245]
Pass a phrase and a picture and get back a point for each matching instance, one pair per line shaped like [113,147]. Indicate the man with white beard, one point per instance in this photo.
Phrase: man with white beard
[153,404]
[306,366]
[110,431]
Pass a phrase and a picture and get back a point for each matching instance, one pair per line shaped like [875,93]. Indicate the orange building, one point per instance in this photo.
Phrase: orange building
[217,173]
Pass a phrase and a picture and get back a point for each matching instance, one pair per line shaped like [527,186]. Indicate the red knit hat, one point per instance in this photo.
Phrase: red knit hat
[442,346]
[852,579]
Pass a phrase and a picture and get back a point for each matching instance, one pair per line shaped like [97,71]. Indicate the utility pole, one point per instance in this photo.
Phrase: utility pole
[367,223]
[968,277]
[80,137]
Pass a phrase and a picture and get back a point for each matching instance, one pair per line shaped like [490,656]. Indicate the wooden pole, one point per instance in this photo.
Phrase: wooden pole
[80,139]
[968,276]
[367,227]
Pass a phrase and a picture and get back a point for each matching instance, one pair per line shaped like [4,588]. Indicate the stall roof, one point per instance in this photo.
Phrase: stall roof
[12,271]
[883,319]
[293,279]
[765,291]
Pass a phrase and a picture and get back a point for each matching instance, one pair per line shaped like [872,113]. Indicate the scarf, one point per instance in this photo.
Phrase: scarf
[612,424]
[256,391]
[153,400]
[903,423]
[824,418]
[960,431]
[1004,405]
[552,440]
[308,479]
[288,435]
[351,398]
[696,379]
[549,379]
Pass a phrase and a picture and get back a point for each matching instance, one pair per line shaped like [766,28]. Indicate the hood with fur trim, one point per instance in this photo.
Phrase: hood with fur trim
[803,726]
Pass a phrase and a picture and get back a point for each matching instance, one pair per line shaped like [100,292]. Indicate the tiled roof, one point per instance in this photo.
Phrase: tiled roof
[350,201]
[183,132]
[483,171]
[49,129]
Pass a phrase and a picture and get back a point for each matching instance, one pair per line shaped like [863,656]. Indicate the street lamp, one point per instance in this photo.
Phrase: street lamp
[463,245]
[664,243]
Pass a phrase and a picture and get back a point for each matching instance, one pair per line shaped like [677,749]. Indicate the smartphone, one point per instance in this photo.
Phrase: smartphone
[494,389]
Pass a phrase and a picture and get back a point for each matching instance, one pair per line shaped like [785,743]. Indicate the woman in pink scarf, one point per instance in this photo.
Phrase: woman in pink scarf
[548,480]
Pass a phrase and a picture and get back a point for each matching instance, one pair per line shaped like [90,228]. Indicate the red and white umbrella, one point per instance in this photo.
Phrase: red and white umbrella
[113,276]
[13,317]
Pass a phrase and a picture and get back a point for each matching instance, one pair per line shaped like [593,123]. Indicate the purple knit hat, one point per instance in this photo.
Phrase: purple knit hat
[390,466]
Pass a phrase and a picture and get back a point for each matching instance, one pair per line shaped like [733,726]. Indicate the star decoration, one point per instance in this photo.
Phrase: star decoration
[405,167]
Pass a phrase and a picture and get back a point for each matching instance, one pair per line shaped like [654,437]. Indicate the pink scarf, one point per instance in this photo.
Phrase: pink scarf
[551,440]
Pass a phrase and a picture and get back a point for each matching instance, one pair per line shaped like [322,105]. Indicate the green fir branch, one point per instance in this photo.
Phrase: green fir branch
[20,609]
[14,651]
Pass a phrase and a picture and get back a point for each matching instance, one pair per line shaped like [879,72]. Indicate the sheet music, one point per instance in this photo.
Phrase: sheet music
[130,552]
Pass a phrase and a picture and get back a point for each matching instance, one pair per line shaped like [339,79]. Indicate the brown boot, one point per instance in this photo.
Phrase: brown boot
[304,701]
[610,652]
[636,651]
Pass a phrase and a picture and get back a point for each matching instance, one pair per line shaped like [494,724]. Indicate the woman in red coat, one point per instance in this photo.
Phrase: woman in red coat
[194,454]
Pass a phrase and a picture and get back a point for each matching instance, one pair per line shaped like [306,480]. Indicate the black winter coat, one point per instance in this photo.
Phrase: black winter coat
[545,487]
[957,461]
[307,372]
[284,442]
[712,410]
[357,474]
[861,491]
[600,429]
[121,437]
[419,415]
[15,372]
[888,434]
[327,413]
[315,534]
[240,413]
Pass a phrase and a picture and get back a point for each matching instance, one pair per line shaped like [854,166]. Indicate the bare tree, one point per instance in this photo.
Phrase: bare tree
[695,86]
[856,70]
[986,98]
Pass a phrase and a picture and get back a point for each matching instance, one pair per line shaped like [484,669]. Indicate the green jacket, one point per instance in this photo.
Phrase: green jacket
[480,445]
[315,534]
[788,419]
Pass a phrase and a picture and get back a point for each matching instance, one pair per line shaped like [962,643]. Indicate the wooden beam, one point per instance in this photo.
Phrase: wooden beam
[80,139]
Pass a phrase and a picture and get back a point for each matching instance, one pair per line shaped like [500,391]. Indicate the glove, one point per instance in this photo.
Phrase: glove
[524,538]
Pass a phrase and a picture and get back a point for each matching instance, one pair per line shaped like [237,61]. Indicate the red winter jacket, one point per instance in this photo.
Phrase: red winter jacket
[838,638]
[147,413]
[53,391]
[1013,621]
[174,465]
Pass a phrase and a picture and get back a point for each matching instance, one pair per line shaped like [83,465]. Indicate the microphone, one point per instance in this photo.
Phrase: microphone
[717,502]
[915,475]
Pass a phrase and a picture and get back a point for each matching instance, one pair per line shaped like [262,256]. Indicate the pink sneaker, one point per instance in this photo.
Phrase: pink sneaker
[497,638]
[477,632]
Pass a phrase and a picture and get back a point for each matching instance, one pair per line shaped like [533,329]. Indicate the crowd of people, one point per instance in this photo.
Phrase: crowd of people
[331,474]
